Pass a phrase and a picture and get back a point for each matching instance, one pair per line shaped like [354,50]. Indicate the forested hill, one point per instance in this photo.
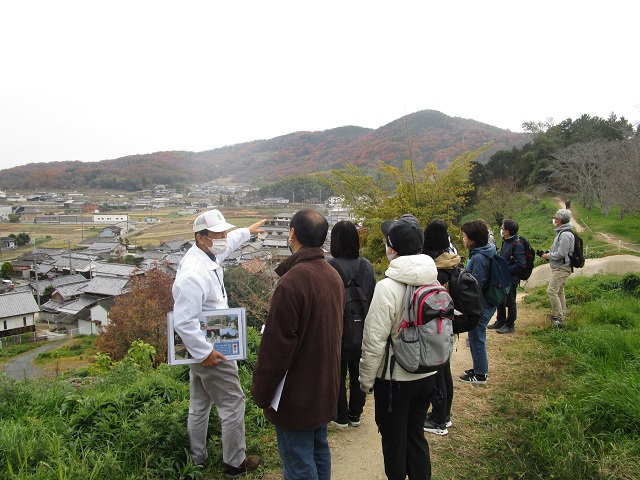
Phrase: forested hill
[432,137]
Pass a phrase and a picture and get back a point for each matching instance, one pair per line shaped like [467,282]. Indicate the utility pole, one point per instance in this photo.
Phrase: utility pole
[69,243]
[35,269]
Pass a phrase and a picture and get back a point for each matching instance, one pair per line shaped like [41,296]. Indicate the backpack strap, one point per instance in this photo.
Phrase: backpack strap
[568,257]
[488,280]
[384,371]
[358,278]
[336,266]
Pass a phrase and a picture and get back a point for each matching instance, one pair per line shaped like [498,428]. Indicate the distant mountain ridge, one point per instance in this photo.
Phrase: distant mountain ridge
[431,136]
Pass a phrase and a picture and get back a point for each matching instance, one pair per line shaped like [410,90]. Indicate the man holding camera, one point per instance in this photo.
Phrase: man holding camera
[513,252]
[560,263]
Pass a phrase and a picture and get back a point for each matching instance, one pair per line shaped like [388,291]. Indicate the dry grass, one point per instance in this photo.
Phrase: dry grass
[171,227]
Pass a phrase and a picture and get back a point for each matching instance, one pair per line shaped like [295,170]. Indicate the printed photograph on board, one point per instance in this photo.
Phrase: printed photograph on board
[224,329]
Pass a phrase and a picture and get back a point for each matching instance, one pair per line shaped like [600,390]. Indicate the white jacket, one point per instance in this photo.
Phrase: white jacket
[385,316]
[199,285]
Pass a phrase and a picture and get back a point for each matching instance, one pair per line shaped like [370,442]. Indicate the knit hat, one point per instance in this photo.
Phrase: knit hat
[403,235]
[436,236]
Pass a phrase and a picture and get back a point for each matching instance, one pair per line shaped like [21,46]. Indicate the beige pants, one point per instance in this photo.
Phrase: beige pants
[219,385]
[555,291]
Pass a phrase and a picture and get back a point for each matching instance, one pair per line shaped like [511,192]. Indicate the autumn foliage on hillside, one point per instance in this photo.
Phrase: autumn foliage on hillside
[140,314]
[423,137]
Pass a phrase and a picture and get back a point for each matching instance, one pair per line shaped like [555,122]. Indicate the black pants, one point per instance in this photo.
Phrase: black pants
[443,395]
[355,404]
[504,318]
[404,448]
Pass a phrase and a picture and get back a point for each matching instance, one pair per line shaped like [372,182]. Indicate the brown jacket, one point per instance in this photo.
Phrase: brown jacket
[302,338]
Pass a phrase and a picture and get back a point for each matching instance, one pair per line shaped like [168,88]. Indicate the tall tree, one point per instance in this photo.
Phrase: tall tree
[530,164]
[499,200]
[140,314]
[625,180]
[251,291]
[391,192]
[6,270]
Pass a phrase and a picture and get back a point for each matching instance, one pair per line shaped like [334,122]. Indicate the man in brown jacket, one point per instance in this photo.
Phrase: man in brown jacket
[301,348]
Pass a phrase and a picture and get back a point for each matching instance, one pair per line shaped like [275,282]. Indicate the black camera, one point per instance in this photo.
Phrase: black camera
[541,252]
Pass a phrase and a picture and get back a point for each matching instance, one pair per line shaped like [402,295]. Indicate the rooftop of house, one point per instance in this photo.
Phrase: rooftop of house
[57,282]
[17,303]
[101,285]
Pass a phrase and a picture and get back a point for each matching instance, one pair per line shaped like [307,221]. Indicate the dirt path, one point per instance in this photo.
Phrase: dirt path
[574,220]
[356,453]
[22,366]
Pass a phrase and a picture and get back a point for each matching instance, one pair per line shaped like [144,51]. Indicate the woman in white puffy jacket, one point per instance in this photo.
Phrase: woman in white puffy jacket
[401,402]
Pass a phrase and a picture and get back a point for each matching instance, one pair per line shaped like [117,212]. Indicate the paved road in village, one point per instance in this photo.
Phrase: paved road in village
[22,366]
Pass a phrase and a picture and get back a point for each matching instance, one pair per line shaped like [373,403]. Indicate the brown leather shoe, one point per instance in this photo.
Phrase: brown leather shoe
[249,464]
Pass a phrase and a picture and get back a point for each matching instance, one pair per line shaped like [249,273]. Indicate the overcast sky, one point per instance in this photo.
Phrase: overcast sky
[96,80]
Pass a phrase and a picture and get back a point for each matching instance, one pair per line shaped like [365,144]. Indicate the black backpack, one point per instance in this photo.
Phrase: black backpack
[356,306]
[529,256]
[467,299]
[577,257]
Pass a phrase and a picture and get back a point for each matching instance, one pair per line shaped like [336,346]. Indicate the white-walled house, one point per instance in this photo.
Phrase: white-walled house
[17,313]
[99,318]
[110,218]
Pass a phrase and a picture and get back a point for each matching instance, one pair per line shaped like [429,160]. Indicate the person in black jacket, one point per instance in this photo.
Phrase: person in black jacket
[513,252]
[345,250]
[438,246]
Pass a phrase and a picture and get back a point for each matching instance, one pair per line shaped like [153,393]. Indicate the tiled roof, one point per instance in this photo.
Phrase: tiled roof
[57,282]
[71,291]
[75,262]
[100,285]
[14,304]
[113,269]
[74,306]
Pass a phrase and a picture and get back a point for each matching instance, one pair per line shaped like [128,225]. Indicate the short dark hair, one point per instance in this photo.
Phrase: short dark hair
[511,226]
[311,227]
[477,231]
[203,232]
[345,242]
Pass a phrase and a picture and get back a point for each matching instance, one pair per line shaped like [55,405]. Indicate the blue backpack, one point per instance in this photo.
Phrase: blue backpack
[499,282]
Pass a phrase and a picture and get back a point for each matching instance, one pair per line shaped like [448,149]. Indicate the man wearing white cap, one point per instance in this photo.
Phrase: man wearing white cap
[199,285]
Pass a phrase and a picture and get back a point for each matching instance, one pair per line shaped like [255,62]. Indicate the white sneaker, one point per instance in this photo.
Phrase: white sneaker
[435,428]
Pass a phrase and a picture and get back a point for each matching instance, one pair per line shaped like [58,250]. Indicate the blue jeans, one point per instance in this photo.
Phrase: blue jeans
[305,454]
[478,340]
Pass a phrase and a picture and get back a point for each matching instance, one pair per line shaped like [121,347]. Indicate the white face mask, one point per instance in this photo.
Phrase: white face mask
[502,233]
[218,246]
[553,222]
[391,256]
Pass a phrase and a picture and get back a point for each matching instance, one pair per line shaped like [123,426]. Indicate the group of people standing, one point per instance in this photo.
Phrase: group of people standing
[300,362]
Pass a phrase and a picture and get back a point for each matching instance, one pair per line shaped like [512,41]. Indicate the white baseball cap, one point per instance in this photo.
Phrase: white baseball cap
[213,221]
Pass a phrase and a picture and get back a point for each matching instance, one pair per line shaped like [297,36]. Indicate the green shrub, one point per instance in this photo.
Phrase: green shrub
[631,284]
[14,350]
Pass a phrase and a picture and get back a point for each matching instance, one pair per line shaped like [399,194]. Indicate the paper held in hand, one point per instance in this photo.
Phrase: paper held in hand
[225,330]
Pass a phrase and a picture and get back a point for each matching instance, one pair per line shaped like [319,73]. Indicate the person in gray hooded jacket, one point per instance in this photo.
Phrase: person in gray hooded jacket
[560,264]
